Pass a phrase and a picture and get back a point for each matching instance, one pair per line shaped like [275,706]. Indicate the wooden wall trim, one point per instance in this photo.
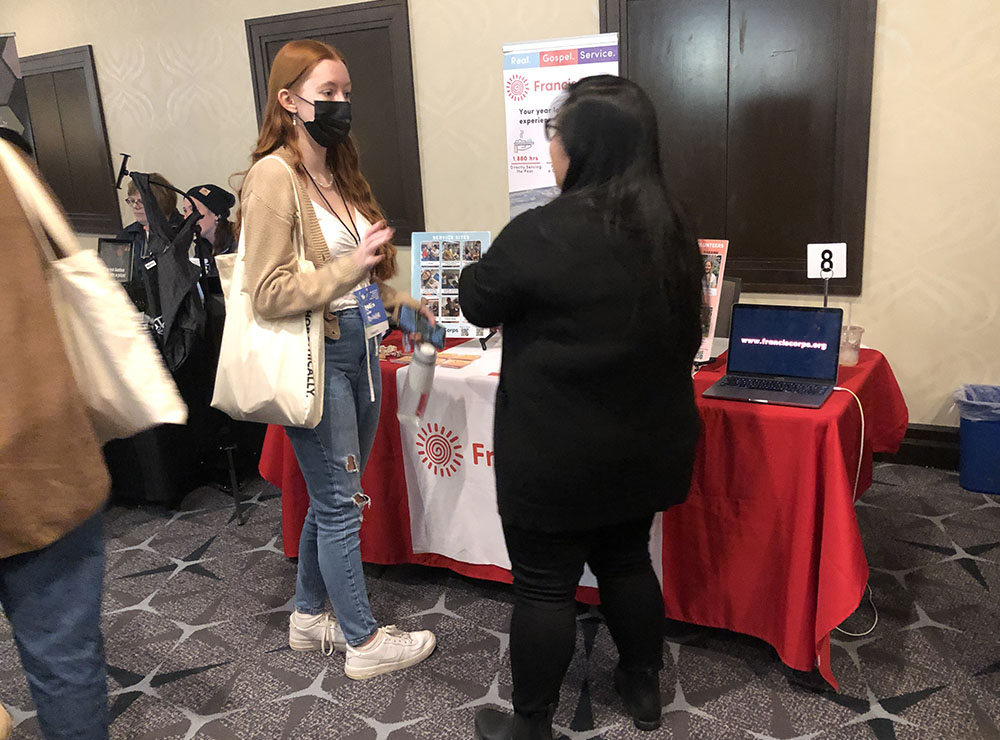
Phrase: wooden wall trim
[927,445]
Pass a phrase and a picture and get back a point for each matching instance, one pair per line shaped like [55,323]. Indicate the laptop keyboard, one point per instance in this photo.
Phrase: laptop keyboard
[770,384]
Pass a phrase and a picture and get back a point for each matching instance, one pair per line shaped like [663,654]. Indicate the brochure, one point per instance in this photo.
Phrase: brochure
[713,258]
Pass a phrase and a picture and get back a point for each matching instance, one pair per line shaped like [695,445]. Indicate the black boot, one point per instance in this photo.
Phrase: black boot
[640,693]
[492,724]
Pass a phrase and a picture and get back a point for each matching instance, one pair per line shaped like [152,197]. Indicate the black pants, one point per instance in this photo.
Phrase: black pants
[547,568]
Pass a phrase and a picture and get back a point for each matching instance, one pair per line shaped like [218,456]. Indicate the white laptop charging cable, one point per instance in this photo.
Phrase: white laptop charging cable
[871,629]
[857,477]
[861,447]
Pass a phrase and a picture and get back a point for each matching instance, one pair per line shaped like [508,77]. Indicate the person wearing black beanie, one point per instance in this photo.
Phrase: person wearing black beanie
[214,204]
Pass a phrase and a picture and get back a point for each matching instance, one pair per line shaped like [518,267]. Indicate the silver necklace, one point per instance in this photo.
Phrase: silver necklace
[316,180]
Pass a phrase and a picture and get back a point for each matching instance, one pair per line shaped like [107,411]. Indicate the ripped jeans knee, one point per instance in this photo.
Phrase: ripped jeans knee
[362,501]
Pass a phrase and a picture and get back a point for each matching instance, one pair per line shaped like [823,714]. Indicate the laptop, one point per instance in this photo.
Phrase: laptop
[786,355]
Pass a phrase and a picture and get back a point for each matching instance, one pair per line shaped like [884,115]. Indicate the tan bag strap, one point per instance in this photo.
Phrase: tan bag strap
[298,206]
[55,236]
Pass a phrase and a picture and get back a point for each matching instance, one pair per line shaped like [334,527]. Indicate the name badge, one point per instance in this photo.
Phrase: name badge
[372,311]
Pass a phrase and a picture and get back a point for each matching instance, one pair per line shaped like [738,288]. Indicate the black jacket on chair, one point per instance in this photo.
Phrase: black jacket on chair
[595,420]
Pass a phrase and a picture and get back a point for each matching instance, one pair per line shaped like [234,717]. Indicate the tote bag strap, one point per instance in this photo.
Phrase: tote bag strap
[56,238]
[301,247]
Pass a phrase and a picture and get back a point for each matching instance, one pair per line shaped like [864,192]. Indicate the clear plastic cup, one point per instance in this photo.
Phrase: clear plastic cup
[850,343]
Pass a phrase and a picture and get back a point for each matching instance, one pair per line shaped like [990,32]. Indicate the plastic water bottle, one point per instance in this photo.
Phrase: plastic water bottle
[417,390]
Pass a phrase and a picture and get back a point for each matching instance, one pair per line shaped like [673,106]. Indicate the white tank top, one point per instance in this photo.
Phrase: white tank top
[340,242]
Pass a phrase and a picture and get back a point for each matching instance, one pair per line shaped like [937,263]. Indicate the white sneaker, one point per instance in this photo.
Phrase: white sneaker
[315,632]
[390,650]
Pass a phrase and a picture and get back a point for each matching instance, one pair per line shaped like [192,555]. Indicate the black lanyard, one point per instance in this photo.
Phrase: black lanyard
[355,234]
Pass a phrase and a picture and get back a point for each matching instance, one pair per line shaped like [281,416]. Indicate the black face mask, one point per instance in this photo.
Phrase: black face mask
[331,123]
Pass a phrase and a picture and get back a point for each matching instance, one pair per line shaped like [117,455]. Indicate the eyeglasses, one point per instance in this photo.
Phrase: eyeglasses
[550,129]
[134,202]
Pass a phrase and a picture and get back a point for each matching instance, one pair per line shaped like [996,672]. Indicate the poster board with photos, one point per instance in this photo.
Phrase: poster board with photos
[437,259]
[713,260]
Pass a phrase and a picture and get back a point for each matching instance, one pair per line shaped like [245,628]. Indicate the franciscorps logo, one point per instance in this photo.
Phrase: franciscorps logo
[517,87]
[439,450]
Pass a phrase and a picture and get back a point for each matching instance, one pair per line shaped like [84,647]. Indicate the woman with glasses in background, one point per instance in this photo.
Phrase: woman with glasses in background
[137,232]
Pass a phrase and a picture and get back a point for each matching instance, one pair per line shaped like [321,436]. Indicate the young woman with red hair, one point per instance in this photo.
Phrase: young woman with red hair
[306,174]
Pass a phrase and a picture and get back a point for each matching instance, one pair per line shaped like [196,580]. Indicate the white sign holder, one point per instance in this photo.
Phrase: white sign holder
[825,261]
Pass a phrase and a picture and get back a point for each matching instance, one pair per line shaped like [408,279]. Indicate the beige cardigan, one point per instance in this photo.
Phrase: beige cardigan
[276,286]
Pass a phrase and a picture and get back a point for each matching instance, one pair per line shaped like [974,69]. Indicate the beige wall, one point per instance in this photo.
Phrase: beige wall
[178,98]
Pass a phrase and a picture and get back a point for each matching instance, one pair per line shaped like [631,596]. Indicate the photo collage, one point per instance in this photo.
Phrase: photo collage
[438,261]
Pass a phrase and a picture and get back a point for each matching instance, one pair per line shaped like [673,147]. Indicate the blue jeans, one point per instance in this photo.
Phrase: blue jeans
[332,457]
[52,598]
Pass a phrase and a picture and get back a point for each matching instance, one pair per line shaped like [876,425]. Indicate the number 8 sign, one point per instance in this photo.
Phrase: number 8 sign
[827,260]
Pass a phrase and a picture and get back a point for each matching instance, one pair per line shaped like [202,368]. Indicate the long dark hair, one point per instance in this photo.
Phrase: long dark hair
[607,126]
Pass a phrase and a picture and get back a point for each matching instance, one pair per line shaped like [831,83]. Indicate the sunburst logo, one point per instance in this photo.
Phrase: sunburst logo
[439,450]
[517,87]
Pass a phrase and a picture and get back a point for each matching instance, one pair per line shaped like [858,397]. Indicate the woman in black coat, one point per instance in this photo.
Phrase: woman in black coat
[599,294]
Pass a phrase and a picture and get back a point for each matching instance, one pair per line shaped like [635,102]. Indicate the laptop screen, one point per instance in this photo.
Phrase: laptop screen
[785,341]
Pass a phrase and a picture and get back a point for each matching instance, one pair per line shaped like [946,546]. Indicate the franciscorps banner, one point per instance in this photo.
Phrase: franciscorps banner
[534,74]
[448,461]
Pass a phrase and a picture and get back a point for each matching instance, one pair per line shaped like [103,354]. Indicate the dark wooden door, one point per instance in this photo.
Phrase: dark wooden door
[782,135]
[678,52]
[70,138]
[764,109]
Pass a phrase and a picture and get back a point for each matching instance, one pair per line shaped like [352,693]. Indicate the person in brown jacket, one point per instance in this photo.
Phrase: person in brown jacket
[53,485]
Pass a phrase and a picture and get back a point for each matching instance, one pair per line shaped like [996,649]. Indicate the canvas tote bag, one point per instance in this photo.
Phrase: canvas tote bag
[270,370]
[120,372]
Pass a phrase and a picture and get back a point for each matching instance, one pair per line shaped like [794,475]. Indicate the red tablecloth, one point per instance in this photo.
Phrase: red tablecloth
[767,543]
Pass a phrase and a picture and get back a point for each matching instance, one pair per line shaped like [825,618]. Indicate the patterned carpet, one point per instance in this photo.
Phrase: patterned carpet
[195,618]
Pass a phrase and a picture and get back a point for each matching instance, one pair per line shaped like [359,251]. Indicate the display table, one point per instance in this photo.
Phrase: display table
[767,543]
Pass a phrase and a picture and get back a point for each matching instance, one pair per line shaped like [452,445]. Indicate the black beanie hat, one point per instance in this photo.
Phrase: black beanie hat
[216,199]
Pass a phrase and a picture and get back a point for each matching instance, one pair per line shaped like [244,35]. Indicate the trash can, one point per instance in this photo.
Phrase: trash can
[979,437]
